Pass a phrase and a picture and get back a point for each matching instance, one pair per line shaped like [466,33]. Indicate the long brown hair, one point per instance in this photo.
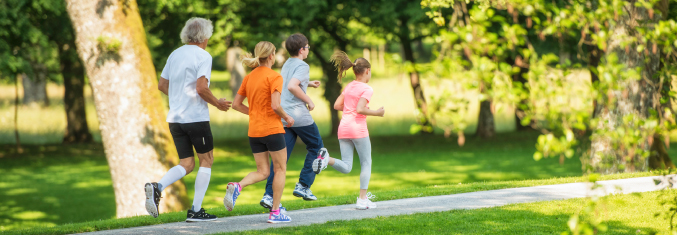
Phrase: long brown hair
[342,63]
[262,50]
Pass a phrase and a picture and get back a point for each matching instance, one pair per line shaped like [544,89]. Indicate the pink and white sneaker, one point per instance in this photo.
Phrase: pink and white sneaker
[322,161]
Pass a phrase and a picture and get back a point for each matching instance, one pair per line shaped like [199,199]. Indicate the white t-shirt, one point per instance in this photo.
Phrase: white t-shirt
[184,66]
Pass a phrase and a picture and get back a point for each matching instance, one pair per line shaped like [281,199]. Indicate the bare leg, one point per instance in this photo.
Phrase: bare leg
[262,170]
[280,168]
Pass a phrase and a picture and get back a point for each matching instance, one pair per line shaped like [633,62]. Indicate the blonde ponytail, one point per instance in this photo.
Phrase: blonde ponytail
[262,51]
[342,63]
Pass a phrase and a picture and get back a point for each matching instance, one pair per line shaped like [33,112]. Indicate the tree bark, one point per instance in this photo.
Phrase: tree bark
[112,45]
[35,88]
[486,127]
[73,73]
[635,98]
[415,81]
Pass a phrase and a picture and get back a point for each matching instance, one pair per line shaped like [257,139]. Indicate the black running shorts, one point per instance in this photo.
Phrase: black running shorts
[272,143]
[189,135]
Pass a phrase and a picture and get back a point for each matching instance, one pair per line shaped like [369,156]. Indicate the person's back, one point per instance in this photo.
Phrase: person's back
[184,66]
[295,68]
[257,87]
[354,125]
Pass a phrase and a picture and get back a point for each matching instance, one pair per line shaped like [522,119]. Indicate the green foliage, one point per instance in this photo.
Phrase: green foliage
[478,40]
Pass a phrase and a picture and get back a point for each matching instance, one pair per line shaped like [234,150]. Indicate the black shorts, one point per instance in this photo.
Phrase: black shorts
[272,143]
[189,135]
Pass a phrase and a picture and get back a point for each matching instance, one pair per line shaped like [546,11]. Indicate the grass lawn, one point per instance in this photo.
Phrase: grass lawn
[623,214]
[46,186]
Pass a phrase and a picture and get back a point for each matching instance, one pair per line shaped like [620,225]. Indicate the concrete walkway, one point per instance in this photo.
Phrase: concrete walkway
[472,200]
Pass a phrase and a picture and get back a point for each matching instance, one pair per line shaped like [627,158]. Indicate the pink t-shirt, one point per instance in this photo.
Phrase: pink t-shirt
[354,125]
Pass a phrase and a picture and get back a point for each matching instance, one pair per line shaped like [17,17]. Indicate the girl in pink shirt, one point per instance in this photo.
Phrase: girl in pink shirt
[353,133]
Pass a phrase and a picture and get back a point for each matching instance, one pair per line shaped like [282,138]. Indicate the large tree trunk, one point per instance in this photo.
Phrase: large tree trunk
[136,138]
[332,89]
[73,73]
[635,98]
[415,81]
[35,88]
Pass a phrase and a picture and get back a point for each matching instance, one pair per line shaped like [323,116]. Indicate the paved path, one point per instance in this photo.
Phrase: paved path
[472,200]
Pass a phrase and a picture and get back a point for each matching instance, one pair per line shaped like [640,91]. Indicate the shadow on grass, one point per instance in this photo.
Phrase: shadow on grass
[50,185]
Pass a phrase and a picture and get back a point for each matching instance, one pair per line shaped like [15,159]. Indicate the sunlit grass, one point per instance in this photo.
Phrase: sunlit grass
[72,184]
[623,214]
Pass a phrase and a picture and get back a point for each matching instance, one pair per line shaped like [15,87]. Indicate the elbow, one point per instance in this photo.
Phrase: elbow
[362,111]
[202,91]
[159,87]
[275,106]
[338,107]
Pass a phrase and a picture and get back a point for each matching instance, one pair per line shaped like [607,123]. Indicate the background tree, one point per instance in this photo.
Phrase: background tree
[632,87]
[406,22]
[111,41]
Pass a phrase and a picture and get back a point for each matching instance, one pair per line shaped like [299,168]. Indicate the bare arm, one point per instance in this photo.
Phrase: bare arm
[202,87]
[362,109]
[338,105]
[163,85]
[295,89]
[275,104]
[239,106]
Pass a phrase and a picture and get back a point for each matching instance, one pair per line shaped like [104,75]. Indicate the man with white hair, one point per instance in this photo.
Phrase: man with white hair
[185,79]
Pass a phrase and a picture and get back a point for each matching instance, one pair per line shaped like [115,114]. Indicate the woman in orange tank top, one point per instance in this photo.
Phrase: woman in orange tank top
[262,88]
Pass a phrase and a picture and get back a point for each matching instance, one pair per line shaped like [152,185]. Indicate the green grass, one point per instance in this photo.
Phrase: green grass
[45,188]
[623,214]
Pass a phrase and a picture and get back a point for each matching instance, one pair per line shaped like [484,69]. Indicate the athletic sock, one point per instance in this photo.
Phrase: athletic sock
[174,174]
[201,185]
[275,212]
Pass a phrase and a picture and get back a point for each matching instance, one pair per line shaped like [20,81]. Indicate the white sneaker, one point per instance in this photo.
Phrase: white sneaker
[321,162]
[363,204]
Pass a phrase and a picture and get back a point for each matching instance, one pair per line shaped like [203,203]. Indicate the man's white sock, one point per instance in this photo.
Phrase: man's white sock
[174,174]
[201,185]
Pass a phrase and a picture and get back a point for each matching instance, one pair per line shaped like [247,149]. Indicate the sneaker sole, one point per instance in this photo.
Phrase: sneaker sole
[264,205]
[362,208]
[303,196]
[151,208]
[199,220]
[227,200]
[277,222]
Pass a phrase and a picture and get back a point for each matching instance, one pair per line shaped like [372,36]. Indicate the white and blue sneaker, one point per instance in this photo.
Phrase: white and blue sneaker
[304,192]
[267,202]
[279,218]
[232,192]
[363,204]
[321,162]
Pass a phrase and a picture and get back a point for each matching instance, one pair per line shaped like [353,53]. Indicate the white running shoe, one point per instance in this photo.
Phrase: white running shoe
[322,161]
[363,204]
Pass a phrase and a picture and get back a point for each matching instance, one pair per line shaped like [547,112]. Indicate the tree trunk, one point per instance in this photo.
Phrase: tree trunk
[112,45]
[415,81]
[35,88]
[73,73]
[16,115]
[659,158]
[486,127]
[593,62]
[332,89]
[635,98]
